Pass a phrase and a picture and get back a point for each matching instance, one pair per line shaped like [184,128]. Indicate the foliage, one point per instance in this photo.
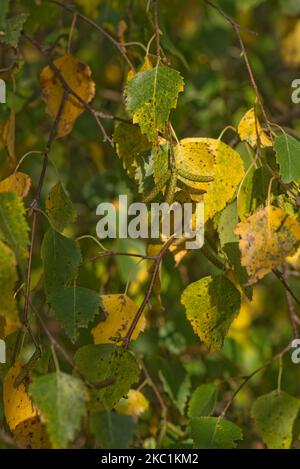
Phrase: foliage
[141,343]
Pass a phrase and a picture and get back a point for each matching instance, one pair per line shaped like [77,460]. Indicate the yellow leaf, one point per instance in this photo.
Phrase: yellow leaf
[210,157]
[32,434]
[294,260]
[249,128]
[17,404]
[290,45]
[134,404]
[17,182]
[267,237]
[78,76]
[120,311]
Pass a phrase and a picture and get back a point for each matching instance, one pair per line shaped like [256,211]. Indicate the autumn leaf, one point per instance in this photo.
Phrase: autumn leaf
[78,77]
[135,404]
[32,434]
[249,130]
[18,406]
[210,157]
[17,182]
[290,45]
[119,312]
[266,238]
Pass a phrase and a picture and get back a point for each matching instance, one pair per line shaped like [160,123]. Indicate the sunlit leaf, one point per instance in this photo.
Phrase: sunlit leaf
[266,238]
[17,182]
[150,96]
[250,130]
[135,403]
[210,157]
[119,311]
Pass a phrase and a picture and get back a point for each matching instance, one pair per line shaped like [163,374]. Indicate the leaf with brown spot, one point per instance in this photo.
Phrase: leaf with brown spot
[249,130]
[17,403]
[266,238]
[120,311]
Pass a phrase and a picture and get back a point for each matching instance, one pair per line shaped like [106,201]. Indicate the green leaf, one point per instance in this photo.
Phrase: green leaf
[61,258]
[75,307]
[13,226]
[287,150]
[176,382]
[131,146]
[233,254]
[60,208]
[61,399]
[112,430]
[211,305]
[12,28]
[203,401]
[100,362]
[227,223]
[214,433]
[275,416]
[150,96]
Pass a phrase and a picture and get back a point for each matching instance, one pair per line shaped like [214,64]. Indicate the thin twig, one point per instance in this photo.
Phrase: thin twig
[146,299]
[99,28]
[156,27]
[229,19]
[116,253]
[280,277]
[294,320]
[25,319]
[247,378]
